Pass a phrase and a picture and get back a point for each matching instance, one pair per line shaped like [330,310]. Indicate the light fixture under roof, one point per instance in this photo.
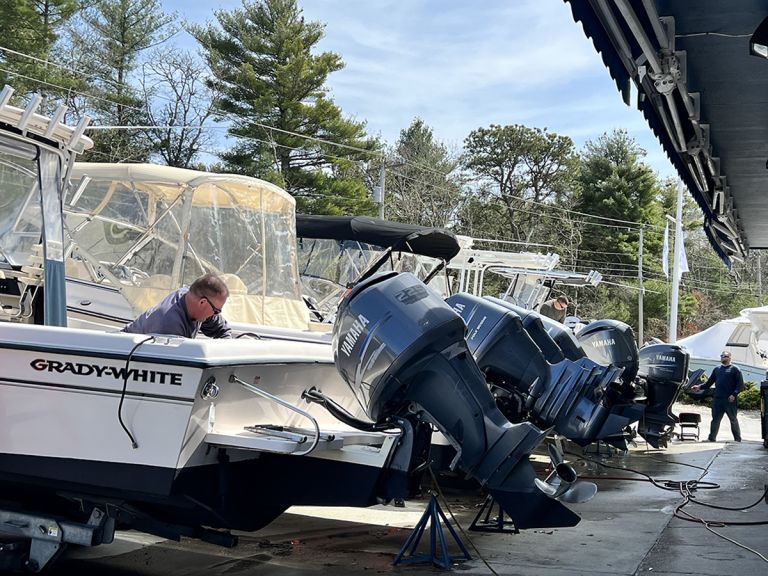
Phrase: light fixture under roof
[758,43]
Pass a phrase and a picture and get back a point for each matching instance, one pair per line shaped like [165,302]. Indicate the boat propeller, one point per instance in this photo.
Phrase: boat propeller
[563,482]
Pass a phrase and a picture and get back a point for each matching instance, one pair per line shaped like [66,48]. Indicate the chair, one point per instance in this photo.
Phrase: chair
[689,425]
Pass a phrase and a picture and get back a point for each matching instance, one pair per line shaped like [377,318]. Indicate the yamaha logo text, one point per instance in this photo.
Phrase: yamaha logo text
[353,334]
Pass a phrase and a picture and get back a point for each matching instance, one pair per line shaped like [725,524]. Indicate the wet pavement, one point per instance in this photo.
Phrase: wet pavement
[630,527]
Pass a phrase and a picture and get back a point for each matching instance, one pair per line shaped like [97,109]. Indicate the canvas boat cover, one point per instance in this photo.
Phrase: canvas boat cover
[744,336]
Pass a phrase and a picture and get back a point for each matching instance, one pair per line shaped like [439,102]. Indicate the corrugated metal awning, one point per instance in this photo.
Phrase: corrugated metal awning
[703,95]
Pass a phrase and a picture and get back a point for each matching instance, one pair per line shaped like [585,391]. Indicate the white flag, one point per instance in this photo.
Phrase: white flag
[665,252]
[679,241]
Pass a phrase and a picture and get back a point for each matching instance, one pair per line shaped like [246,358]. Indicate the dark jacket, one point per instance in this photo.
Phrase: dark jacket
[169,317]
[727,380]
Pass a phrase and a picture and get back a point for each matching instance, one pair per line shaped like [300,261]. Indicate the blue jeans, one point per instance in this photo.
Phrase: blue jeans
[721,406]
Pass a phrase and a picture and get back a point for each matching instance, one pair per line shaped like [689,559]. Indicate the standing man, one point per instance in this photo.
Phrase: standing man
[728,383]
[555,308]
[186,311]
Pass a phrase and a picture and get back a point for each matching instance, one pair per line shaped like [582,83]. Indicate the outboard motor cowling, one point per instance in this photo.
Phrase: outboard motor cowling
[664,369]
[500,344]
[402,350]
[558,333]
[532,322]
[611,342]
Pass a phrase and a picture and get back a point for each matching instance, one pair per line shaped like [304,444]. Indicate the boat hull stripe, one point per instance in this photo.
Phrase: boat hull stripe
[91,389]
[27,346]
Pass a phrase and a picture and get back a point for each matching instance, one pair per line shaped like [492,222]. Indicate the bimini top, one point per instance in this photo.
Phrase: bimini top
[167,181]
[422,240]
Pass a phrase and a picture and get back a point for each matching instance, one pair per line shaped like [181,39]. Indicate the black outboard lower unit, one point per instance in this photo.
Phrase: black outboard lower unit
[402,351]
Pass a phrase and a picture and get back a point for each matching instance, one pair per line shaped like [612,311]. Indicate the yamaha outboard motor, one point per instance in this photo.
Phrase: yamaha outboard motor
[546,333]
[698,376]
[664,369]
[566,343]
[573,397]
[611,342]
[402,351]
[558,333]
[564,338]
[533,322]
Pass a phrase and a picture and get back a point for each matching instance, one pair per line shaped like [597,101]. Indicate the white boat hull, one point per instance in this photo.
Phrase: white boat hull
[193,462]
[754,374]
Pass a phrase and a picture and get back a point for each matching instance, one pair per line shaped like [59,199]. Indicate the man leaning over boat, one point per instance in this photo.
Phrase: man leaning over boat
[187,311]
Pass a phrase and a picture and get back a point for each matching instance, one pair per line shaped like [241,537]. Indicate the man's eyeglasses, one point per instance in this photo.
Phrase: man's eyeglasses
[216,311]
[725,355]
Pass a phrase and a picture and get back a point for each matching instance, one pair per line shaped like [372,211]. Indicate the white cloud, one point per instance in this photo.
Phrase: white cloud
[461,64]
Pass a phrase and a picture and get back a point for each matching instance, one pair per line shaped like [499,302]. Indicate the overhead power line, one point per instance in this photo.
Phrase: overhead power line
[75,71]
[618,223]
[629,286]
[67,90]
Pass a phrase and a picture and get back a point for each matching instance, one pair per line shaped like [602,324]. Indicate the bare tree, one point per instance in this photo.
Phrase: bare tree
[108,42]
[177,99]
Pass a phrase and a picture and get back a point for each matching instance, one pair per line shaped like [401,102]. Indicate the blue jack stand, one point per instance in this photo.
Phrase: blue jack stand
[432,514]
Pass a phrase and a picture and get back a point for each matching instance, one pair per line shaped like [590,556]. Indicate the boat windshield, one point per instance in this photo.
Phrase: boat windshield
[150,229]
[20,213]
[328,267]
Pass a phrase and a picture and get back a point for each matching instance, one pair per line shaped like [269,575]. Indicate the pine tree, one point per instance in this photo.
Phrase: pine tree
[272,89]
[29,30]
[113,36]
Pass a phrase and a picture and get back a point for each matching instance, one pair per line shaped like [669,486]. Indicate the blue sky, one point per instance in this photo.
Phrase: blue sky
[462,64]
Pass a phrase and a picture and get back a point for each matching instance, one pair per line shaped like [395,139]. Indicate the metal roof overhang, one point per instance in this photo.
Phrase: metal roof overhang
[703,95]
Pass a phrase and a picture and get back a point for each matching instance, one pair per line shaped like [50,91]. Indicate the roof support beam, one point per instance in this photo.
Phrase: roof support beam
[668,72]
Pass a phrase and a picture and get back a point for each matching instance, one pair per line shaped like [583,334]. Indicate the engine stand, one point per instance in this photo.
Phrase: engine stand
[609,451]
[483,522]
[433,515]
